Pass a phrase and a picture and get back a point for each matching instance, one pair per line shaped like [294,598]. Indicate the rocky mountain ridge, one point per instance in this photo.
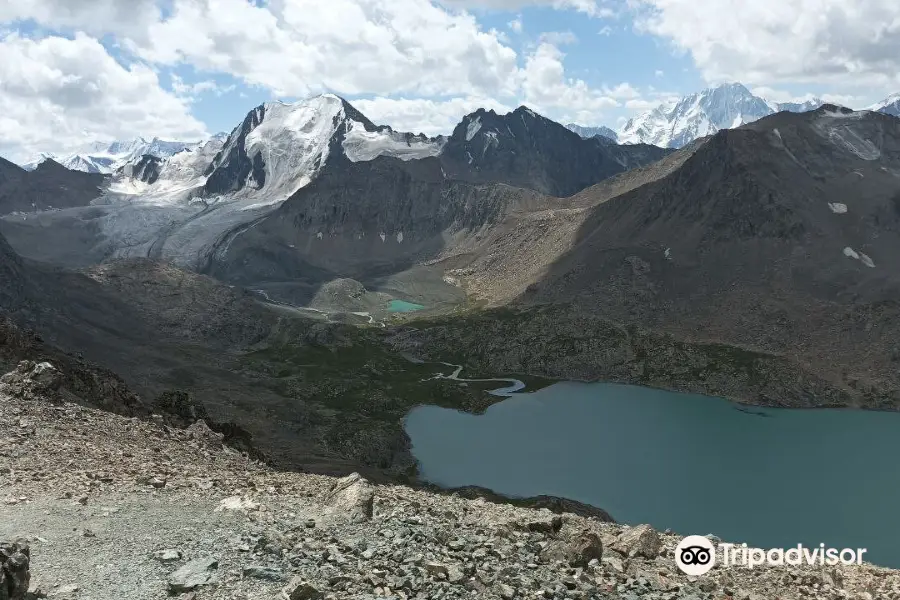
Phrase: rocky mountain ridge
[673,124]
[48,187]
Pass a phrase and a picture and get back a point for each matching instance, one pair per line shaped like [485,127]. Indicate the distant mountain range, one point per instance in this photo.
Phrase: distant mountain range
[676,124]
[670,125]
[589,132]
[106,158]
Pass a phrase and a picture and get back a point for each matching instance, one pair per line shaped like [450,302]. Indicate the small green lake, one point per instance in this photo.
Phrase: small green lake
[402,306]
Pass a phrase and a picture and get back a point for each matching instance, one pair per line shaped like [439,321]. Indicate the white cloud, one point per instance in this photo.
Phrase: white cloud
[515,25]
[94,17]
[190,91]
[347,46]
[546,88]
[59,92]
[834,42]
[593,8]
[419,51]
[558,38]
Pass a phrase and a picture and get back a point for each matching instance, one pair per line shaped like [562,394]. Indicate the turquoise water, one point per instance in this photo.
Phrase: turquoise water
[402,306]
[691,463]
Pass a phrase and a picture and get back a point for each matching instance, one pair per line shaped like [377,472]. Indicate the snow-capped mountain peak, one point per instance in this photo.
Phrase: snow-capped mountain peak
[280,147]
[589,132]
[108,157]
[889,106]
[678,123]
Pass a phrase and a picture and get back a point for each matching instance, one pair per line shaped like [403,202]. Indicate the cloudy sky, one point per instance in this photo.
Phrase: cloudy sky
[78,70]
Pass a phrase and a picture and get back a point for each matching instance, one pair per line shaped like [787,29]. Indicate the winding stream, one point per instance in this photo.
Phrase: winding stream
[515,385]
[326,314]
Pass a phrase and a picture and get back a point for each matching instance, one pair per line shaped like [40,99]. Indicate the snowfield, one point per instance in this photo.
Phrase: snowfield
[361,145]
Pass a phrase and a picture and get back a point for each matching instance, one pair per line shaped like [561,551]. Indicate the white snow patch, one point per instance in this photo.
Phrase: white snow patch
[400,237]
[853,114]
[866,260]
[855,143]
[668,254]
[778,135]
[319,235]
[382,236]
[851,253]
[490,139]
[361,145]
[473,128]
[837,207]
[293,140]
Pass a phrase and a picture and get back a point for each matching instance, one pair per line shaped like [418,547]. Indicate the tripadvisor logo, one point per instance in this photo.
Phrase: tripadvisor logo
[696,555]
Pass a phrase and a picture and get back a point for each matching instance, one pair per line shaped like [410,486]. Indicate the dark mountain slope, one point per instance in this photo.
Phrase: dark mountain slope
[781,237]
[364,220]
[778,202]
[524,149]
[761,264]
[50,185]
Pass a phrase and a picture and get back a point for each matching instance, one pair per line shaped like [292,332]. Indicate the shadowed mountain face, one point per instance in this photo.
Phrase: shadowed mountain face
[524,149]
[782,237]
[145,169]
[806,203]
[365,220]
[12,280]
[50,185]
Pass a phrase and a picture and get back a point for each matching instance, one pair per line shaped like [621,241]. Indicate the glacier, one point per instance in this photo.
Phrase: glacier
[180,218]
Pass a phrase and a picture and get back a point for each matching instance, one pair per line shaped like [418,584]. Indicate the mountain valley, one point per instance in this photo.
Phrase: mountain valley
[303,283]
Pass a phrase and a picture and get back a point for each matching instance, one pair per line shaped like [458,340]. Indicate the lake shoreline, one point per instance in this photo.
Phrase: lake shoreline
[529,443]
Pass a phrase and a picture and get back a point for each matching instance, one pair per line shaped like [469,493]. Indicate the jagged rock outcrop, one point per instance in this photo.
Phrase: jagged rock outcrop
[32,381]
[42,370]
[15,573]
[146,169]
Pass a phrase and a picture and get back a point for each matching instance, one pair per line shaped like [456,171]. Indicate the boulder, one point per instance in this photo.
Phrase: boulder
[300,589]
[578,550]
[641,540]
[353,496]
[15,574]
[196,573]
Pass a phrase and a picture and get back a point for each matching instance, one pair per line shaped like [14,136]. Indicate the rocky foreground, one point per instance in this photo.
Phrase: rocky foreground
[102,506]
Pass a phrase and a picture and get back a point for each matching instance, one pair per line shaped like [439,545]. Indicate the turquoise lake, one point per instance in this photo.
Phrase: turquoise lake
[402,306]
[691,463]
